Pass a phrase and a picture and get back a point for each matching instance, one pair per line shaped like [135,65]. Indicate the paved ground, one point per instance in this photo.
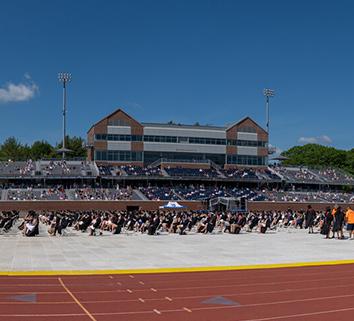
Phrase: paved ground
[81,252]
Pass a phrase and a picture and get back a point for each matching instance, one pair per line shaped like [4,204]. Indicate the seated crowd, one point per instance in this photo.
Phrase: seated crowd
[333,175]
[329,223]
[297,174]
[7,220]
[191,172]
[65,168]
[242,173]
[106,194]
[132,170]
[161,193]
[18,168]
[55,193]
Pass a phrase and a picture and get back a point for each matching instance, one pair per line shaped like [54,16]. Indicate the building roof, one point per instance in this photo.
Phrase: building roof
[186,126]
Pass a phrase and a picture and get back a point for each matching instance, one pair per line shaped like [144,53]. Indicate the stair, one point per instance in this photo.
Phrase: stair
[139,196]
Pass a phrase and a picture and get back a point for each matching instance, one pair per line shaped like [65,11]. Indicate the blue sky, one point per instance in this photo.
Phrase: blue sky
[186,61]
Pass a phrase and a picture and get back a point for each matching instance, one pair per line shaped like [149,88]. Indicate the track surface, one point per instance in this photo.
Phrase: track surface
[299,294]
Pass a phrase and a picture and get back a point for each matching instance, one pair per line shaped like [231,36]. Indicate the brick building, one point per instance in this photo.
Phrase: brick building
[120,139]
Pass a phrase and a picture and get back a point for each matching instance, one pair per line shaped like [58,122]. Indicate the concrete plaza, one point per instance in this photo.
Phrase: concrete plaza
[78,251]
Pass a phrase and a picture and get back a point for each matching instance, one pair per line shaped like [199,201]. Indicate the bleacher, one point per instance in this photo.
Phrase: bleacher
[17,169]
[298,174]
[53,194]
[60,168]
[106,194]
[241,173]
[191,172]
[332,175]
[159,193]
[132,170]
[105,170]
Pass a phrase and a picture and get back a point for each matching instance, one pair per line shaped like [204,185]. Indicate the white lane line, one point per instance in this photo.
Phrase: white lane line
[132,276]
[110,276]
[186,309]
[129,291]
[76,300]
[141,300]
[118,283]
[286,316]
[153,289]
[141,282]
[189,288]
[189,297]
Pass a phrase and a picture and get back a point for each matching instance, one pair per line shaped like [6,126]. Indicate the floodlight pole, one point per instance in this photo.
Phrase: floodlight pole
[268,93]
[64,77]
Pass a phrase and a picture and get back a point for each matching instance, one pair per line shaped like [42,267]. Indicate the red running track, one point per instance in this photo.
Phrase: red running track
[299,294]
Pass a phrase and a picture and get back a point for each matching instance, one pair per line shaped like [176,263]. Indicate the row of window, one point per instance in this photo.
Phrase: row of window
[175,139]
[118,122]
[252,143]
[247,129]
[114,137]
[118,156]
[246,160]
[149,157]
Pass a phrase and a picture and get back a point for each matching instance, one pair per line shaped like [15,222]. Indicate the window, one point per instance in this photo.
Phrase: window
[118,156]
[183,140]
[117,122]
[113,137]
[246,160]
[252,143]
[247,129]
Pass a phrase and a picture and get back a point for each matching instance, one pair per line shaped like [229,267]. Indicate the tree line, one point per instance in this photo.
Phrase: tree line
[13,149]
[315,155]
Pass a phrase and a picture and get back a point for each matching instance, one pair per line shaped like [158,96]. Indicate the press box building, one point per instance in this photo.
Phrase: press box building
[120,139]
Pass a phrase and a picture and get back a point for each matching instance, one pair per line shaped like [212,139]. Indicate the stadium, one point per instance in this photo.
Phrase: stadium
[132,165]
[197,165]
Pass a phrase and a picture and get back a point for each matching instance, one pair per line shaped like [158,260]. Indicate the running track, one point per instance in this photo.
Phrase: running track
[299,294]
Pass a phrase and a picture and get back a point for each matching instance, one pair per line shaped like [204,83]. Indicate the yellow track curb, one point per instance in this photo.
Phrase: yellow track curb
[175,270]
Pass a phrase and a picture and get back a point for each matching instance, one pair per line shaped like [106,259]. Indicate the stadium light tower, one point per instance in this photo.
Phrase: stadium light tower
[268,93]
[64,77]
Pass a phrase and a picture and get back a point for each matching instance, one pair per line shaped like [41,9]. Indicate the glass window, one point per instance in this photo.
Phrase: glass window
[247,129]
[117,122]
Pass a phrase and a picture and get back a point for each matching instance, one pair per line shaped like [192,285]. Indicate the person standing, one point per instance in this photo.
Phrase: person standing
[338,221]
[327,223]
[310,216]
[349,217]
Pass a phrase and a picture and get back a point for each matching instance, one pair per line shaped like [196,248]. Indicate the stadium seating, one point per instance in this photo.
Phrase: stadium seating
[297,174]
[191,172]
[17,169]
[132,170]
[36,194]
[159,193]
[332,175]
[100,194]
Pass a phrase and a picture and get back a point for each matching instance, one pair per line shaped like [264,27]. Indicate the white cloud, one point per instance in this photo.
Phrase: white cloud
[18,92]
[323,139]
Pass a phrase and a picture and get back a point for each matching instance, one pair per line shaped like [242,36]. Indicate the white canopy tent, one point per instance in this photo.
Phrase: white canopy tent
[173,205]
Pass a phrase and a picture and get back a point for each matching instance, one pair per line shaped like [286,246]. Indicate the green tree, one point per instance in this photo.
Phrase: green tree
[76,145]
[14,150]
[42,149]
[320,156]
